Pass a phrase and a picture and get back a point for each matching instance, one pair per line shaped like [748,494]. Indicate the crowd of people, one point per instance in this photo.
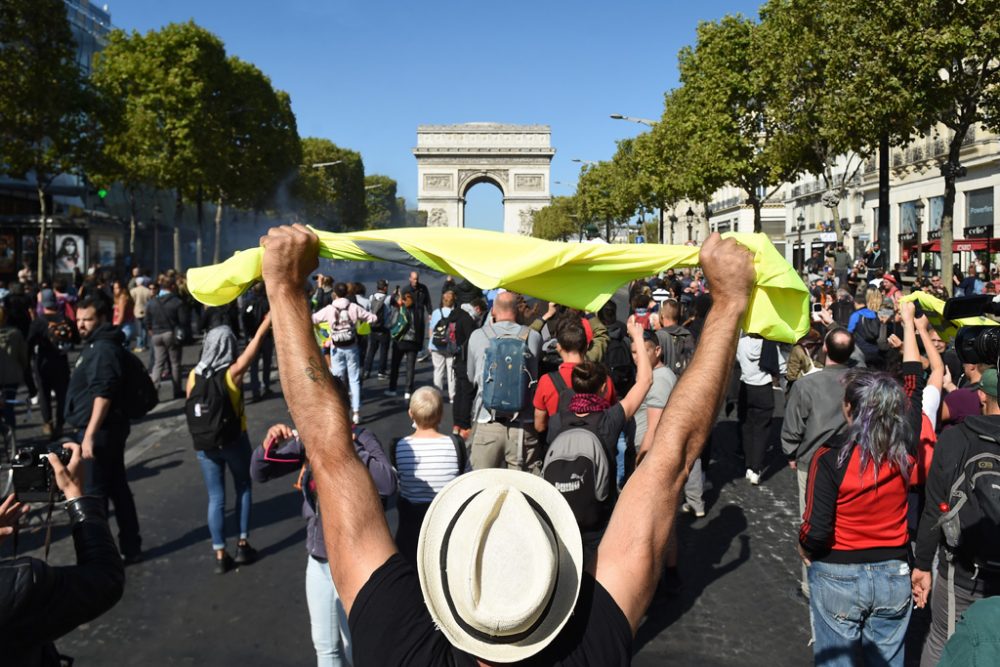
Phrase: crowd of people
[568,446]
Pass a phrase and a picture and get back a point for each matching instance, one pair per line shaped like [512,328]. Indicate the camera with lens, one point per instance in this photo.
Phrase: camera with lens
[32,475]
[976,344]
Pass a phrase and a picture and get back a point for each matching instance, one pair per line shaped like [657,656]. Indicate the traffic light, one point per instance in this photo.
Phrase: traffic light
[102,193]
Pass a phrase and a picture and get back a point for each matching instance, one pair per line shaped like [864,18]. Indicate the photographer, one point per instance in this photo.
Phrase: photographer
[41,603]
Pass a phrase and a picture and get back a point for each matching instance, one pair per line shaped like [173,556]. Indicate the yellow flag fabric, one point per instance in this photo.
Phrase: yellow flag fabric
[579,275]
[934,309]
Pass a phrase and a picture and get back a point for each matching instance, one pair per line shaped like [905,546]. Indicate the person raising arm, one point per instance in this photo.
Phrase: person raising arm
[630,558]
[354,528]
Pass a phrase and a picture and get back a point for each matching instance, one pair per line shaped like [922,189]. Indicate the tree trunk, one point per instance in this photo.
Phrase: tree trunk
[217,255]
[607,230]
[131,226]
[198,247]
[832,188]
[40,273]
[178,215]
[758,224]
[882,229]
[948,214]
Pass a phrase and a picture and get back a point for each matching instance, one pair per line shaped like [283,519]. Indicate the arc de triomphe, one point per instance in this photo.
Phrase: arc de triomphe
[453,158]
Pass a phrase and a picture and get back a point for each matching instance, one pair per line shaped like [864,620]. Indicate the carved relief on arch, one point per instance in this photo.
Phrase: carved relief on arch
[465,176]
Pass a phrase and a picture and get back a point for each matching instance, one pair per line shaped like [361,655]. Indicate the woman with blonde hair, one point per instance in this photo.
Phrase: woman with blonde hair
[442,348]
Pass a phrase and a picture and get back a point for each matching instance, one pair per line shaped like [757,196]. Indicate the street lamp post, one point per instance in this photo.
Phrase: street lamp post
[801,250]
[673,221]
[690,222]
[641,121]
[918,209]
[157,211]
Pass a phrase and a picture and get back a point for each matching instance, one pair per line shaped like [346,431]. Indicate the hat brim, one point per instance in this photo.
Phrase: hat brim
[433,533]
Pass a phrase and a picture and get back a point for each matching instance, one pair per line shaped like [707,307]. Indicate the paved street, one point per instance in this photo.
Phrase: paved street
[739,566]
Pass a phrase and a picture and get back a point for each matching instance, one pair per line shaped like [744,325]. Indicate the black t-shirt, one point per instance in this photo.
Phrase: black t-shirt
[390,625]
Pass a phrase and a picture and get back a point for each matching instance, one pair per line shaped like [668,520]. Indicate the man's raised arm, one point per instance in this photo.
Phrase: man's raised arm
[630,558]
[356,534]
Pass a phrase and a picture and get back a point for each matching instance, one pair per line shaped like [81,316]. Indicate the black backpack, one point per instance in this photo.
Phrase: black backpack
[445,335]
[576,463]
[139,394]
[866,333]
[618,359]
[211,418]
[972,524]
[378,306]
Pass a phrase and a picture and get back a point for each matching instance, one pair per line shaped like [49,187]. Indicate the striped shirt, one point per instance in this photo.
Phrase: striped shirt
[425,466]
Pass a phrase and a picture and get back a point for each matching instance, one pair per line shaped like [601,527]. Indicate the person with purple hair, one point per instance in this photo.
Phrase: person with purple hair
[854,535]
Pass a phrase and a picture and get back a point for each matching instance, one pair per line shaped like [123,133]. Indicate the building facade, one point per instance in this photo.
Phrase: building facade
[916,201]
[78,237]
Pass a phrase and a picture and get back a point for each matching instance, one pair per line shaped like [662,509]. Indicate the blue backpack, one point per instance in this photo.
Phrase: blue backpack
[506,380]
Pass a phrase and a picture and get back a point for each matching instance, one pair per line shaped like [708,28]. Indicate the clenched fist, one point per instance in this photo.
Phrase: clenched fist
[291,254]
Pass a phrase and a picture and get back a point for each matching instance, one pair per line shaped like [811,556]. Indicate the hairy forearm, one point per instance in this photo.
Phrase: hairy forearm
[356,535]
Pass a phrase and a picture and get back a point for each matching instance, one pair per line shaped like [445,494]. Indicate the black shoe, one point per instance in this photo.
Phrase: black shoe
[383,376]
[224,564]
[245,554]
[267,393]
[132,558]
[256,398]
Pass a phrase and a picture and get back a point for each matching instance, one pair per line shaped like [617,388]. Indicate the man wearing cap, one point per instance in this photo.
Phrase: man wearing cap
[500,574]
[975,576]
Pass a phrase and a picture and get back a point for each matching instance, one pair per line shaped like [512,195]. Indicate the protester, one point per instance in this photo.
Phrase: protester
[426,461]
[217,419]
[760,361]
[468,317]
[256,308]
[854,538]
[407,340]
[554,390]
[505,434]
[95,407]
[343,317]
[140,298]
[421,309]
[379,340]
[959,522]
[392,619]
[124,312]
[814,414]
[283,453]
[442,357]
[14,366]
[169,320]
[676,342]
[43,602]
[50,338]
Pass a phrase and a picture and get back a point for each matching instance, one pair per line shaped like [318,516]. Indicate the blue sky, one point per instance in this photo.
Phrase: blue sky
[365,73]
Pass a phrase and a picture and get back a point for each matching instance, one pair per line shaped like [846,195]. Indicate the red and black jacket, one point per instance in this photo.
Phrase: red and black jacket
[854,515]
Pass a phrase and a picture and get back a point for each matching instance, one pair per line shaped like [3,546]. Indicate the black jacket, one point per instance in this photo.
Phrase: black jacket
[951,452]
[164,313]
[98,372]
[42,603]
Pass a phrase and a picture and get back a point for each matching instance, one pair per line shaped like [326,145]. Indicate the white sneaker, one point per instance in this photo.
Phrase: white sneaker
[687,509]
[388,392]
[406,396]
[754,477]
[357,418]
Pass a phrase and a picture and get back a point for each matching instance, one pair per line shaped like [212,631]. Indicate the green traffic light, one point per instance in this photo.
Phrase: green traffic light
[102,193]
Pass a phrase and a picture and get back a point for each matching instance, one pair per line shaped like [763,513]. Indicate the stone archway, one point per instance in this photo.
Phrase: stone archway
[451,159]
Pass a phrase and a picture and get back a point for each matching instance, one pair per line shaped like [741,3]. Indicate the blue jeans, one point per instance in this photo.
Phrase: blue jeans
[860,612]
[140,332]
[213,467]
[345,363]
[330,634]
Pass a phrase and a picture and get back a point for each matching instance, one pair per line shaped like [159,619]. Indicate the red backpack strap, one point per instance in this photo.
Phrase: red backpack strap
[587,330]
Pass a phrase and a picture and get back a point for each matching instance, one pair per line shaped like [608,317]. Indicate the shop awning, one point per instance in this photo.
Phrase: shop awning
[963,245]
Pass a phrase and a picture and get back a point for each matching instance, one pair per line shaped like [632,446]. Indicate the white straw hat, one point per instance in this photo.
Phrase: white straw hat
[500,561]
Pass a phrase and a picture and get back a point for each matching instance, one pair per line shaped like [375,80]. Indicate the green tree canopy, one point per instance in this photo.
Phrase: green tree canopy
[727,111]
[557,221]
[46,110]
[382,204]
[331,195]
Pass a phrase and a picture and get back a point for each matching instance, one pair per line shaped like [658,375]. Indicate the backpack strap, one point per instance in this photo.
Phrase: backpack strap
[461,453]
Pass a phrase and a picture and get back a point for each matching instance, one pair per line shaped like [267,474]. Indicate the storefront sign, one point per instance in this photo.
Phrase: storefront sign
[908,238]
[979,232]
[979,206]
[934,234]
